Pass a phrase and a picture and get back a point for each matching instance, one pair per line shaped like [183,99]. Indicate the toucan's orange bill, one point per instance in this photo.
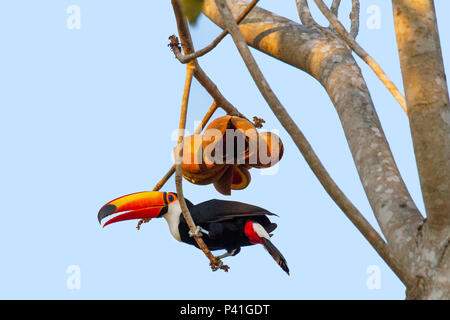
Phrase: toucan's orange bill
[140,205]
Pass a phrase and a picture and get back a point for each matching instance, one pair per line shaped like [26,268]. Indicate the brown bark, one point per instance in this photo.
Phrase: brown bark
[417,249]
[326,57]
[303,145]
[349,38]
[428,102]
[429,117]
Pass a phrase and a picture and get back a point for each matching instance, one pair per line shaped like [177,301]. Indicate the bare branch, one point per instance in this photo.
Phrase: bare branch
[362,53]
[336,194]
[215,263]
[164,179]
[335,7]
[212,89]
[427,95]
[304,13]
[171,171]
[428,100]
[199,74]
[199,129]
[215,42]
[326,57]
[192,66]
[354,19]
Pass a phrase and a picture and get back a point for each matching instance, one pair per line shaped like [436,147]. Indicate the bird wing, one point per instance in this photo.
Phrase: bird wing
[222,210]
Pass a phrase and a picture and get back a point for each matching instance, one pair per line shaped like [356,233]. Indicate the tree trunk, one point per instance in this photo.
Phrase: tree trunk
[429,117]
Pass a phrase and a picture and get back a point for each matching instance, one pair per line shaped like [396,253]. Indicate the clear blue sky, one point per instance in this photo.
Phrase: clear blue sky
[87,115]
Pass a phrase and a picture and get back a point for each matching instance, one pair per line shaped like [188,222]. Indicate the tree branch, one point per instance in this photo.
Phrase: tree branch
[199,74]
[427,96]
[164,179]
[171,171]
[304,13]
[337,195]
[335,7]
[349,39]
[216,41]
[354,19]
[428,103]
[326,57]
[199,129]
[215,263]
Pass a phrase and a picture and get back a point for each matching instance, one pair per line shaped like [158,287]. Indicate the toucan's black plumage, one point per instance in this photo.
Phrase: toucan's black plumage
[227,225]
[225,221]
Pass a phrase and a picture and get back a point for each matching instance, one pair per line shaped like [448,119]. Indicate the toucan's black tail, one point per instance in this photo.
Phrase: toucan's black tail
[276,254]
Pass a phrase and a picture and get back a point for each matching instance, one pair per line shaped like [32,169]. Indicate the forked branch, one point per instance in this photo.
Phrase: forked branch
[189,57]
[349,39]
[335,7]
[304,13]
[214,262]
[280,112]
[171,171]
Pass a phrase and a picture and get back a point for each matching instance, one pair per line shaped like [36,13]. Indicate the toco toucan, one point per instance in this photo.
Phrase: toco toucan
[224,224]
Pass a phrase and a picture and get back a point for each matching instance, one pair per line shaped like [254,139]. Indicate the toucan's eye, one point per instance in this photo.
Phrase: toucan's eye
[170,198]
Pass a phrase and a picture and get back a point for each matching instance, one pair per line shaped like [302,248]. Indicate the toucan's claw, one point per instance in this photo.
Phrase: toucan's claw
[140,222]
[216,267]
[196,234]
[199,231]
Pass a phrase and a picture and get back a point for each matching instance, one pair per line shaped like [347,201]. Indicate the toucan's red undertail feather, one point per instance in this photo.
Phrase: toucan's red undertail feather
[251,233]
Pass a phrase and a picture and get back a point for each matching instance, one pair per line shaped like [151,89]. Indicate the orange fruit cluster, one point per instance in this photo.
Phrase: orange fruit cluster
[223,155]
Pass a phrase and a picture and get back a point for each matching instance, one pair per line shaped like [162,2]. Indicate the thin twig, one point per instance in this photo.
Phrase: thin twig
[215,93]
[305,148]
[199,74]
[362,53]
[206,118]
[164,179]
[335,7]
[354,19]
[214,262]
[212,45]
[199,129]
[304,13]
[171,171]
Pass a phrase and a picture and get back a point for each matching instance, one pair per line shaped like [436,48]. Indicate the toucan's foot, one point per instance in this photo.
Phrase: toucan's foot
[198,232]
[141,222]
[219,265]
[228,254]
